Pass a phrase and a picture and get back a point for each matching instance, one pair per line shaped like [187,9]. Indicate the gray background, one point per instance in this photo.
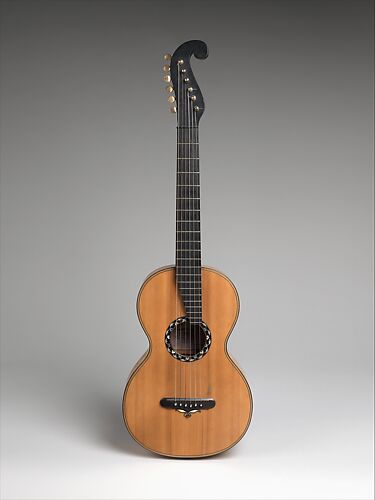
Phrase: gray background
[88,162]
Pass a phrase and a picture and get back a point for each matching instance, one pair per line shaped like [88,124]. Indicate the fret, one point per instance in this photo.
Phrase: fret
[188,250]
[187,259]
[189,242]
[191,267]
[190,288]
[188,227]
[194,269]
[186,236]
[197,284]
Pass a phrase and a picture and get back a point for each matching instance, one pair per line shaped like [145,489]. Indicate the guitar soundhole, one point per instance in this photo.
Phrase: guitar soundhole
[187,341]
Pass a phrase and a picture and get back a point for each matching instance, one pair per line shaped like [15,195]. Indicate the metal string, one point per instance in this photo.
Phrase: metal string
[198,292]
[178,124]
[190,234]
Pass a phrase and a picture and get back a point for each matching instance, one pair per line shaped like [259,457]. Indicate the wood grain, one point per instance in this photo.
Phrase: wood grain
[159,375]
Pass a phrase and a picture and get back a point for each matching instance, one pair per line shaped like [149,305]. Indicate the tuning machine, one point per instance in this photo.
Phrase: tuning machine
[167,79]
[167,68]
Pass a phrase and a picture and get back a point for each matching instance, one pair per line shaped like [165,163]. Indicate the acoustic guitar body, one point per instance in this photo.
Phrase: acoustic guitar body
[173,431]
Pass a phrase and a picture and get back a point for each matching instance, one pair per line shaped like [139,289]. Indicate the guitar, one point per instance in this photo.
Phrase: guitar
[186,397]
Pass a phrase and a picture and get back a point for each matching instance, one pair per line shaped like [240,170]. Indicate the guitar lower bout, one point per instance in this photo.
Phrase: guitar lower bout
[186,397]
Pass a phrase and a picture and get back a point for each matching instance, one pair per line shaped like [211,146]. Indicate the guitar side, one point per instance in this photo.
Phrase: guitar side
[159,375]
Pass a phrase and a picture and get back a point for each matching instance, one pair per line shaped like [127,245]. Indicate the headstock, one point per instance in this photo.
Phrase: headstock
[183,91]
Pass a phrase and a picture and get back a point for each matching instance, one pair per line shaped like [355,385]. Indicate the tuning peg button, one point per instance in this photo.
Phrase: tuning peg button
[167,57]
[173,109]
[167,78]
[169,88]
[166,68]
[171,99]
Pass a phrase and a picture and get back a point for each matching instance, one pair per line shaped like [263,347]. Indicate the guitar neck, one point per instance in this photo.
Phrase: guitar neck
[188,230]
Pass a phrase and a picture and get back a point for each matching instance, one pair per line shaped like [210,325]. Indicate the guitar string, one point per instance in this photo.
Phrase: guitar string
[200,294]
[196,155]
[182,206]
[189,234]
[176,284]
[183,244]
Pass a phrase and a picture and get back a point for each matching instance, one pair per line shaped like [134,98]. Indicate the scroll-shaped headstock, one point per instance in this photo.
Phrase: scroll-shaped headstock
[187,94]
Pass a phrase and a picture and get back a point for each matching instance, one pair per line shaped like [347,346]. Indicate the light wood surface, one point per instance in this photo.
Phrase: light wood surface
[159,375]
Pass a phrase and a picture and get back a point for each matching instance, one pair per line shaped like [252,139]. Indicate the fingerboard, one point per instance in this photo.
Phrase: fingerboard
[188,230]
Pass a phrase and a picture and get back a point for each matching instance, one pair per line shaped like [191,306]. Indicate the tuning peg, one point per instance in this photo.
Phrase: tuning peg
[173,109]
[167,78]
[166,68]
[167,57]
[171,99]
[169,88]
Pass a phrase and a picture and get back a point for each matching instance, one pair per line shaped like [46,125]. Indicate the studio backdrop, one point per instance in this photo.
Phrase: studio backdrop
[87,206]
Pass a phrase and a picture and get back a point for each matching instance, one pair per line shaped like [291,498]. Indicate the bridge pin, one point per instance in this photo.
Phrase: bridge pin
[180,404]
[185,405]
[191,406]
[201,405]
[175,404]
[195,404]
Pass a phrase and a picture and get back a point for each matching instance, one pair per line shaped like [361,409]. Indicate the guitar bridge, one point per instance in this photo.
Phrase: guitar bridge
[188,406]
